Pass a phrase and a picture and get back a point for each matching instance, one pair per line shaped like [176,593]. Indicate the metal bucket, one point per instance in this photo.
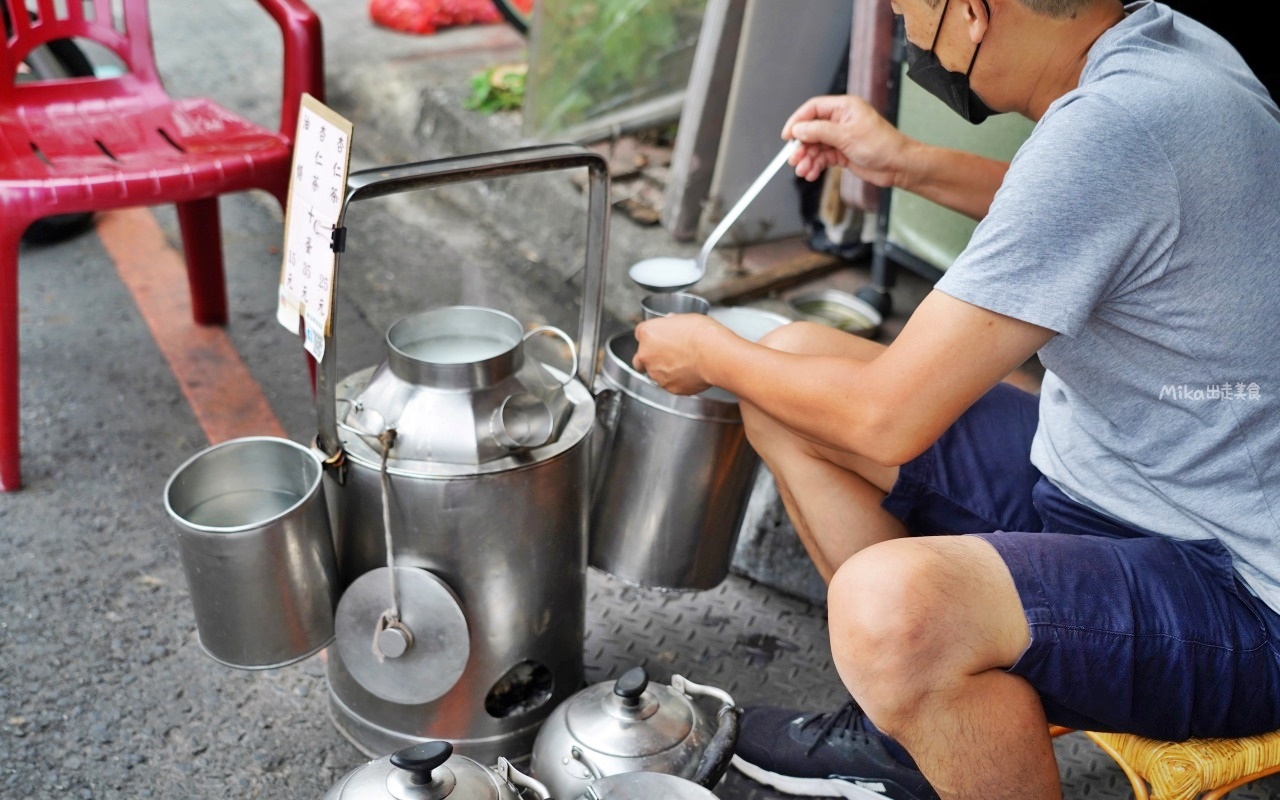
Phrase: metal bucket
[254,537]
[673,476]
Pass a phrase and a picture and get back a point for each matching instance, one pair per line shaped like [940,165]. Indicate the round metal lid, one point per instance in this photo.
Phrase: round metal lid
[426,771]
[629,717]
[645,786]
[749,323]
[409,669]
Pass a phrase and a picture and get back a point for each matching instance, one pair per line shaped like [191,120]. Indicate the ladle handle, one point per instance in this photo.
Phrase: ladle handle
[370,183]
[754,189]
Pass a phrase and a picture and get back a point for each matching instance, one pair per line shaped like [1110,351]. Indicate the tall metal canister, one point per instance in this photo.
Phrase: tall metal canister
[476,458]
[673,479]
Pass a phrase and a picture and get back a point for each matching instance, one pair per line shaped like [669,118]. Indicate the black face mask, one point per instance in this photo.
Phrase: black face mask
[952,88]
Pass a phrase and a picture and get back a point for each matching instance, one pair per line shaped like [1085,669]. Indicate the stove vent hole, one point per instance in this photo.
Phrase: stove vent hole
[524,689]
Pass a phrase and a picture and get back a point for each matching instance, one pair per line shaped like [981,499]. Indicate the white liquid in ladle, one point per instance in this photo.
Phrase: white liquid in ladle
[670,274]
[665,273]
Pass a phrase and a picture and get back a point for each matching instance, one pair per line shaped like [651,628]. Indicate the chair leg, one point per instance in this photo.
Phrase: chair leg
[202,246]
[10,452]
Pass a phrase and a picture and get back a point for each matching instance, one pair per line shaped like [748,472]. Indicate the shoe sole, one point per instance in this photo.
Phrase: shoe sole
[806,787]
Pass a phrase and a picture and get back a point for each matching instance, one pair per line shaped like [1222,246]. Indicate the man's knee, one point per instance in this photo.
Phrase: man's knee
[886,635]
[912,618]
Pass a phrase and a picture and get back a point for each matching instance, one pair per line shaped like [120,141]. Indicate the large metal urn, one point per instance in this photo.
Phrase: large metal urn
[470,458]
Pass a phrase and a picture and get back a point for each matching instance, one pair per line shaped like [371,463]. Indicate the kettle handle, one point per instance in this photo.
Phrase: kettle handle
[719,752]
[715,759]
[685,686]
[518,779]
[380,182]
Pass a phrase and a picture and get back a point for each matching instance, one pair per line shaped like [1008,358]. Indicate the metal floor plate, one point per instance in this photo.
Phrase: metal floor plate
[764,647]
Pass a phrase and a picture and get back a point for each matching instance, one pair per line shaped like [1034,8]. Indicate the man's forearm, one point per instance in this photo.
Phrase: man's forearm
[822,398]
[963,182]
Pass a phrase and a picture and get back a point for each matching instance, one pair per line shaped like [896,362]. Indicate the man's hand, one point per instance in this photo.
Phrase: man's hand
[671,348]
[846,131]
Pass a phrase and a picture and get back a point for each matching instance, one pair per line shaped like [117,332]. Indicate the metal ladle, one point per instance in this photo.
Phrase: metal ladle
[671,274]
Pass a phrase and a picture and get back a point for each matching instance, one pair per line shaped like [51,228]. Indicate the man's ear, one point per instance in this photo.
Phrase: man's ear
[977,18]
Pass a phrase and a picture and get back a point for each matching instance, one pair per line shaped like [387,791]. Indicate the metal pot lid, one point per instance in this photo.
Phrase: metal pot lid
[839,310]
[629,717]
[750,323]
[426,771]
[645,786]
[715,405]
[416,664]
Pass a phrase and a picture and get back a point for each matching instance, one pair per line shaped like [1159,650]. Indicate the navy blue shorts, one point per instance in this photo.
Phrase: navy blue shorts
[1130,631]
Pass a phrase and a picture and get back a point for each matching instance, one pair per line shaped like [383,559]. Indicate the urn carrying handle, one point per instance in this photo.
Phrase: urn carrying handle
[381,182]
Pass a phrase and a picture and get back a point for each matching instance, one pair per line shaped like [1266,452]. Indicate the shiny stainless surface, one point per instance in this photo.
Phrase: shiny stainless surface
[424,665]
[460,347]
[839,310]
[484,491]
[598,732]
[645,786]
[256,547]
[371,183]
[660,305]
[448,410]
[673,482]
[512,545]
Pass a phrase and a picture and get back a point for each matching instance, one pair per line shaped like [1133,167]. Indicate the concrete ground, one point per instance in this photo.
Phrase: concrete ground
[104,691]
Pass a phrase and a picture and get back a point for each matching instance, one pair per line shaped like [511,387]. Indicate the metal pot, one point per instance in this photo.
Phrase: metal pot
[672,479]
[644,786]
[464,622]
[255,545]
[430,771]
[631,725]
[458,390]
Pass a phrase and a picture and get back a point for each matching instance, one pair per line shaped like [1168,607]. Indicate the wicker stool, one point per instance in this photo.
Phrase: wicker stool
[1204,768]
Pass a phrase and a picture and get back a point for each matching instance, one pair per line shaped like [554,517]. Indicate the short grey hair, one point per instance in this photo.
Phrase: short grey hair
[1058,9]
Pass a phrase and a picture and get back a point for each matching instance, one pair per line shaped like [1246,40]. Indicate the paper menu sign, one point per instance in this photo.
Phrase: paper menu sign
[317,186]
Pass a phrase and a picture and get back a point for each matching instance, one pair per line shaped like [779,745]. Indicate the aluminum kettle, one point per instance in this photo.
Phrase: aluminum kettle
[431,771]
[632,725]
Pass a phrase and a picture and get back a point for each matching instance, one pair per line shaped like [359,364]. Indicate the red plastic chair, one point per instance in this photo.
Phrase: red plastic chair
[89,144]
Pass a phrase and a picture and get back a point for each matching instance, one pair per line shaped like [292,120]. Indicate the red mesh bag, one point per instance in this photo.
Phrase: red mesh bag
[426,16]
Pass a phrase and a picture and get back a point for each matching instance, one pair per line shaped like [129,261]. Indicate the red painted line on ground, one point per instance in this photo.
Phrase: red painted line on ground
[227,401]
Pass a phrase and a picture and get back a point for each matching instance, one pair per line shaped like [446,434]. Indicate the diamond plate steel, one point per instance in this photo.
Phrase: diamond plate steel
[765,647]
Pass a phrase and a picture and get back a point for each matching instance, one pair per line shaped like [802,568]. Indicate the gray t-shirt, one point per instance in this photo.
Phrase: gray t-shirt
[1141,222]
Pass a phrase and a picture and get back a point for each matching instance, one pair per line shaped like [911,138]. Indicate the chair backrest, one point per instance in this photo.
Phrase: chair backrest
[121,26]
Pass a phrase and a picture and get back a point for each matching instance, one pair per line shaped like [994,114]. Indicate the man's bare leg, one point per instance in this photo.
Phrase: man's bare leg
[832,497]
[922,631]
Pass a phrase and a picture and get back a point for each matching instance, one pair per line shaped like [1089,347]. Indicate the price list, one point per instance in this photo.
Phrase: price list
[317,185]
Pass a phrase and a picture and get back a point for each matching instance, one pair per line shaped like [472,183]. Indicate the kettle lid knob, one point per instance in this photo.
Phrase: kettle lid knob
[422,760]
[631,685]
